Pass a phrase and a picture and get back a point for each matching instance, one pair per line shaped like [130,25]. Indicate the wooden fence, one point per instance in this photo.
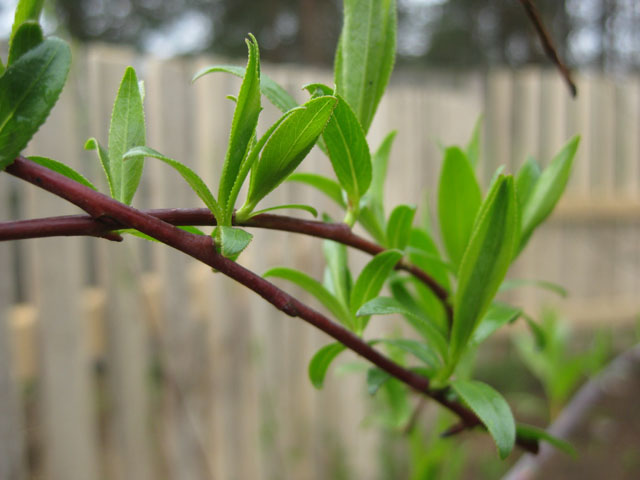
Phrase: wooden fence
[129,360]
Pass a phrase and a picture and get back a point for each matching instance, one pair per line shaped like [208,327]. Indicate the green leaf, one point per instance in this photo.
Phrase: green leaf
[534,433]
[27,10]
[388,306]
[315,288]
[243,130]
[423,304]
[295,206]
[365,55]
[144,236]
[473,147]
[192,178]
[459,199]
[492,409]
[399,226]
[233,241]
[547,190]
[329,187]
[103,156]
[62,169]
[277,95]
[335,255]
[125,132]
[287,146]
[2,67]
[526,179]
[418,349]
[28,36]
[321,361]
[485,262]
[349,152]
[372,216]
[518,282]
[29,89]
[499,314]
[372,278]
[375,379]
[424,253]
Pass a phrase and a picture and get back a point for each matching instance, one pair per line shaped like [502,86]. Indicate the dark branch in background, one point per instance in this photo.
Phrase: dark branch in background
[201,248]
[75,225]
[547,44]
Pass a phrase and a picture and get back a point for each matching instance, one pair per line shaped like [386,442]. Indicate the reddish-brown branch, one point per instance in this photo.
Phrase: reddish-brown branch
[547,44]
[200,247]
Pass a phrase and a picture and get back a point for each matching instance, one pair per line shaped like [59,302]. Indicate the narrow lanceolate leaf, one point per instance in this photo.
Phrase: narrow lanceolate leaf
[424,253]
[243,129]
[28,91]
[315,288]
[365,55]
[329,187]
[399,226]
[492,409]
[473,147]
[370,282]
[27,10]
[459,198]
[547,190]
[375,379]
[349,152]
[485,262]
[192,178]
[372,215]
[28,36]
[543,284]
[289,206]
[337,270]
[387,306]
[62,169]
[321,361]
[277,95]
[103,156]
[526,179]
[287,146]
[534,433]
[498,315]
[419,350]
[234,241]
[125,132]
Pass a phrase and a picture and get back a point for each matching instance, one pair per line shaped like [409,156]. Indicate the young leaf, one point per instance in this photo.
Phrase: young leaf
[28,36]
[492,409]
[372,278]
[375,379]
[243,129]
[103,156]
[286,148]
[499,314]
[233,241]
[418,349]
[535,433]
[365,55]
[399,226]
[321,361]
[335,255]
[518,282]
[473,147]
[526,179]
[547,190]
[424,253]
[125,132]
[62,169]
[29,89]
[387,306]
[423,304]
[349,152]
[27,10]
[2,67]
[485,262]
[459,198]
[277,95]
[192,178]
[316,289]
[295,206]
[329,187]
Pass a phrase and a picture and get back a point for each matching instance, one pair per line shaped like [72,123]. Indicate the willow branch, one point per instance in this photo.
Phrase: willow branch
[547,44]
[201,248]
[75,225]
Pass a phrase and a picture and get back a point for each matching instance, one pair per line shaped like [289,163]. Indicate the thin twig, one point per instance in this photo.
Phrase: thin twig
[202,248]
[547,44]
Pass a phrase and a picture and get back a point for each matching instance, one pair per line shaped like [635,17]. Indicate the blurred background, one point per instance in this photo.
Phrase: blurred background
[128,360]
